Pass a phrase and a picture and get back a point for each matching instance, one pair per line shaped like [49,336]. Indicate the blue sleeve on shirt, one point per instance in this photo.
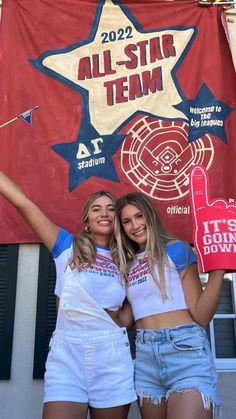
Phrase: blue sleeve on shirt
[181,254]
[63,242]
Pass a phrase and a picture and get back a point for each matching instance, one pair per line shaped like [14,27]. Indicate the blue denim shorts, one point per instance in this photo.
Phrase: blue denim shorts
[175,360]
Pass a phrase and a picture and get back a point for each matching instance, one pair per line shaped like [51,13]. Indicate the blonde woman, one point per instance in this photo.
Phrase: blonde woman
[175,376]
[89,366]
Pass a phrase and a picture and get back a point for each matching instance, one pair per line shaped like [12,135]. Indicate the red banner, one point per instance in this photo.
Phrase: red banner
[115,95]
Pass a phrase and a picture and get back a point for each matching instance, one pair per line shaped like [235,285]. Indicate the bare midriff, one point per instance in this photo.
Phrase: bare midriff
[165,320]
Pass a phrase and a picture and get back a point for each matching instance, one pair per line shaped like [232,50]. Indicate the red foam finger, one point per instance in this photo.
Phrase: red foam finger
[199,186]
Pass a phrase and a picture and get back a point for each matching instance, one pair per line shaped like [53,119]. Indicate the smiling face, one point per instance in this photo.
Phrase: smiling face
[101,218]
[134,224]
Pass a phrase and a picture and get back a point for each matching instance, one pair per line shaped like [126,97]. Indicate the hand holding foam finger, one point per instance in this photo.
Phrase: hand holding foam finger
[214,224]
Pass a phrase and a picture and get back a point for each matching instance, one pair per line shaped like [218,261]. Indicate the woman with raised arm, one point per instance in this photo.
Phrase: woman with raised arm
[89,366]
[175,376]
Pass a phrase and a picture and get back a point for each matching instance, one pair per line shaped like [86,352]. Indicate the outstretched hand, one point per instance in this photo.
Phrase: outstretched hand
[214,224]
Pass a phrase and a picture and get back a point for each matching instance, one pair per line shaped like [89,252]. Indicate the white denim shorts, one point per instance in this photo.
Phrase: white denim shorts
[95,368]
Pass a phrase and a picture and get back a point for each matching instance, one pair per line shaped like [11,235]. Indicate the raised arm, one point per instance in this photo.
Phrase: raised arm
[45,229]
[202,304]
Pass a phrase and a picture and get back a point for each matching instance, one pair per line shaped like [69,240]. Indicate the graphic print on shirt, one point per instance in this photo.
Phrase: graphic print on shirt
[139,273]
[104,267]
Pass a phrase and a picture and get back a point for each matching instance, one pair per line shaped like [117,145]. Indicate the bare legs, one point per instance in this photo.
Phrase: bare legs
[180,405]
[152,411]
[65,410]
[119,412]
[74,410]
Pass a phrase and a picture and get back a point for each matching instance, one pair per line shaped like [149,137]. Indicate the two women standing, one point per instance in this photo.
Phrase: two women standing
[89,365]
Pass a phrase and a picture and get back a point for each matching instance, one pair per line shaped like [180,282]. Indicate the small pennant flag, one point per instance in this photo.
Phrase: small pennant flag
[26,116]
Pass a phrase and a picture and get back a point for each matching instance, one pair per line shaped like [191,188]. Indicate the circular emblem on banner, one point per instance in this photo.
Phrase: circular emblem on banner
[156,157]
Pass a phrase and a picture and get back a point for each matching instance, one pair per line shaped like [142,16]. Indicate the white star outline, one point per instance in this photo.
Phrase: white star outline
[106,119]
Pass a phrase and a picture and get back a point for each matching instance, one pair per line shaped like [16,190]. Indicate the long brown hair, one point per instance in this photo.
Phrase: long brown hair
[124,249]
[84,245]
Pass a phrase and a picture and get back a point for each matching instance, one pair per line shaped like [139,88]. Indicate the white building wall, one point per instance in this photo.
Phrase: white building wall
[231,27]
[21,397]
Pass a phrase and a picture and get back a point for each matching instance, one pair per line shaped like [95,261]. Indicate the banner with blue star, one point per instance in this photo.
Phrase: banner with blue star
[90,155]
[131,93]
[206,115]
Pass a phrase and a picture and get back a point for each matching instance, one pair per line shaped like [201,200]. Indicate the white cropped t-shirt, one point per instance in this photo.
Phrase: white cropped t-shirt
[143,292]
[101,281]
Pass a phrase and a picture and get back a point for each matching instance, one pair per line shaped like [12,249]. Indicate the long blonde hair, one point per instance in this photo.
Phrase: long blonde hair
[84,245]
[124,249]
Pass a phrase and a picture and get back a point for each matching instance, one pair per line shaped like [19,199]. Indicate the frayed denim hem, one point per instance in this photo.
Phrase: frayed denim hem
[207,402]
[156,400]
